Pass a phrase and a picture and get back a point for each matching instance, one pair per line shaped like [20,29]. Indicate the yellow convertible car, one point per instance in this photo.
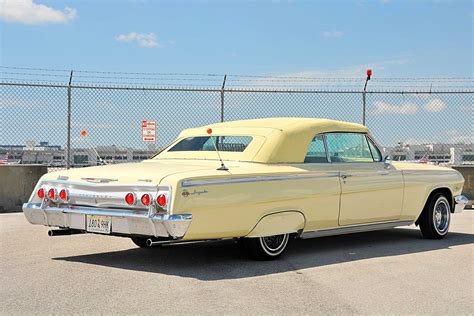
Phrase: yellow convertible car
[262,181]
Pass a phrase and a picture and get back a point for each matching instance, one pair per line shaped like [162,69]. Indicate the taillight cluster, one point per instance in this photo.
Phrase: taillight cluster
[53,195]
[146,199]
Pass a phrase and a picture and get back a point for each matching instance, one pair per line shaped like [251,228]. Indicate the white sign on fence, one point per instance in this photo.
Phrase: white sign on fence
[148,131]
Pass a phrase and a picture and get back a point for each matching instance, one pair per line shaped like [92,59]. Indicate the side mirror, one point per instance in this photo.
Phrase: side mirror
[387,162]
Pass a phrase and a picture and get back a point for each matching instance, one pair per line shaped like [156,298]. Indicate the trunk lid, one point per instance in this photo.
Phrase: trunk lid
[150,171]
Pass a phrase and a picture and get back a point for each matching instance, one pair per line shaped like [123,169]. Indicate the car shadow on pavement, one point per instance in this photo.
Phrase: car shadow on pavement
[227,259]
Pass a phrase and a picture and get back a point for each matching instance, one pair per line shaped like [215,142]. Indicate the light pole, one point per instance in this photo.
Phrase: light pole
[369,74]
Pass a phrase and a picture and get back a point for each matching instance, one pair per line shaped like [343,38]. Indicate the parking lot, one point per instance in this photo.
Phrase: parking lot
[393,271]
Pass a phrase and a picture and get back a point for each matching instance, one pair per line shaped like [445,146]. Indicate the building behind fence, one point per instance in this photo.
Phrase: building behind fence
[413,119]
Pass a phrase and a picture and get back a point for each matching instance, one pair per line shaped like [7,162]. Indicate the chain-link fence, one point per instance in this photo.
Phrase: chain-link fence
[104,123]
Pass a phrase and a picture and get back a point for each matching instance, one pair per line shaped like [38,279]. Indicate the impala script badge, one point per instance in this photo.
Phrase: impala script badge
[99,180]
[195,192]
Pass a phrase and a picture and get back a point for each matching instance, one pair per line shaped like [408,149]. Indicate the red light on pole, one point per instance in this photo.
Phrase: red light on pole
[83,132]
[369,73]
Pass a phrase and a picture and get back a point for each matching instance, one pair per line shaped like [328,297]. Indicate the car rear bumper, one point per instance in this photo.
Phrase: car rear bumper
[124,222]
[460,202]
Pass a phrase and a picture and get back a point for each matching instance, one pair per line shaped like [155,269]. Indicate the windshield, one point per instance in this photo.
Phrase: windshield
[207,143]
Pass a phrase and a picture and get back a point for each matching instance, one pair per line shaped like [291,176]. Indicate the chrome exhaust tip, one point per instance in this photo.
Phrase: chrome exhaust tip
[63,232]
[149,242]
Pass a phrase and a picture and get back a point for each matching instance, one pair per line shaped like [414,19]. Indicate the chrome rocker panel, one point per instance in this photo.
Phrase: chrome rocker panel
[354,229]
[124,222]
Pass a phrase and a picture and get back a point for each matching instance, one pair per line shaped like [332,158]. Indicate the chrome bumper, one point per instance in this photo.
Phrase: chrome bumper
[123,221]
[460,201]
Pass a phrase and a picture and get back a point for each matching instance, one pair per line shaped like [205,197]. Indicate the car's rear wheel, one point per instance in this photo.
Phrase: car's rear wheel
[266,248]
[435,219]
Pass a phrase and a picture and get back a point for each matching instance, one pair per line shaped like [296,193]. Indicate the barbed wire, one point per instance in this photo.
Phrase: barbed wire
[36,69]
[118,72]
[257,77]
[234,81]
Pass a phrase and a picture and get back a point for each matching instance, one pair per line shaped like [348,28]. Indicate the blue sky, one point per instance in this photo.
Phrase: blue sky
[268,38]
[395,38]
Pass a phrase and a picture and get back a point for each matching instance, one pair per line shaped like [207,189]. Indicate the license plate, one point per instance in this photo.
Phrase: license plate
[99,224]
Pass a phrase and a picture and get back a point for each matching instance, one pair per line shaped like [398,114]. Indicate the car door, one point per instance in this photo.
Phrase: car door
[321,208]
[371,190]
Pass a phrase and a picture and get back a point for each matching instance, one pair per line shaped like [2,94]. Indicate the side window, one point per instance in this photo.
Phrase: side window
[316,151]
[374,150]
[348,147]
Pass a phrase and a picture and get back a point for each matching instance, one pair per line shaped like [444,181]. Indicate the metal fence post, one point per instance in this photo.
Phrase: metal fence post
[363,107]
[369,74]
[68,148]
[222,98]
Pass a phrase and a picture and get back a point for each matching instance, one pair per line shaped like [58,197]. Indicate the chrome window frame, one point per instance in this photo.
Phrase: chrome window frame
[328,158]
[367,136]
[369,141]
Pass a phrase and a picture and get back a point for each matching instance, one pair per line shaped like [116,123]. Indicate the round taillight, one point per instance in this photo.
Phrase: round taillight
[146,199]
[63,195]
[41,193]
[161,200]
[130,199]
[52,194]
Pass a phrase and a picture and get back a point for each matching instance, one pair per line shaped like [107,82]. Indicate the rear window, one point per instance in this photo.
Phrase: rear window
[207,143]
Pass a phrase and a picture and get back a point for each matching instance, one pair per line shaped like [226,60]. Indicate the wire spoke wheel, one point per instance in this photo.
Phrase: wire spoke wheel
[441,216]
[436,216]
[274,245]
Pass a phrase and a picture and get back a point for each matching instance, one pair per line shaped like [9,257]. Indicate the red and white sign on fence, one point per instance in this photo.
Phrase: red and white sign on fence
[148,131]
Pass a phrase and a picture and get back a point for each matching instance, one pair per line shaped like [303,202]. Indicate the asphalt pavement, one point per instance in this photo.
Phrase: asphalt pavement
[393,271]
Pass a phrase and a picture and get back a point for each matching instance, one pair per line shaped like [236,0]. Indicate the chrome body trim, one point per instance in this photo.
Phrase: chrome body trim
[99,180]
[367,174]
[103,195]
[427,172]
[99,185]
[201,182]
[460,202]
[124,221]
[354,229]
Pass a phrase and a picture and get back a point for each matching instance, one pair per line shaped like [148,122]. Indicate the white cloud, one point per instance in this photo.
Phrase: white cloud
[382,107]
[355,71]
[143,40]
[333,33]
[456,136]
[319,78]
[435,105]
[28,12]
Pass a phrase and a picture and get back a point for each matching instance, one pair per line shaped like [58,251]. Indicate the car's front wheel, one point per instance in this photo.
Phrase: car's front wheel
[266,248]
[435,219]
